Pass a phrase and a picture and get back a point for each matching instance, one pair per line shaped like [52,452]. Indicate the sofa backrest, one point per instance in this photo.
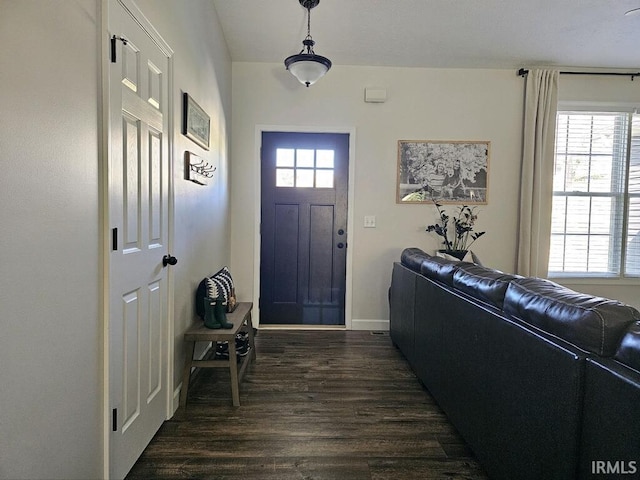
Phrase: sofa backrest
[591,323]
[483,283]
[597,325]
[412,258]
[440,269]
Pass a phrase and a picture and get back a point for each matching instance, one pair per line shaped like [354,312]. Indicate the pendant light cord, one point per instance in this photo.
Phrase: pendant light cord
[308,41]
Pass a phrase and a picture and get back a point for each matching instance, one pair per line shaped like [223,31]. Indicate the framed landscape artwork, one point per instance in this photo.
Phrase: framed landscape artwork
[446,171]
[196,124]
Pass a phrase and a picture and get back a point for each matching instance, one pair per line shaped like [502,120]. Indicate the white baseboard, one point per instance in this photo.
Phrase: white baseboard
[176,399]
[369,324]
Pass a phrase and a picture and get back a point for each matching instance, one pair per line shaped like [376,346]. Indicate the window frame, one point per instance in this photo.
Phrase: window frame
[620,234]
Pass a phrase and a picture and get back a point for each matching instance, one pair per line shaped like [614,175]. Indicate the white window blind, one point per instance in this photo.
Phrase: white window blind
[595,227]
[632,264]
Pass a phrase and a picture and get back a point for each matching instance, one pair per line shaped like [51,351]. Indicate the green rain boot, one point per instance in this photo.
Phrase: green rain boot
[210,320]
[220,312]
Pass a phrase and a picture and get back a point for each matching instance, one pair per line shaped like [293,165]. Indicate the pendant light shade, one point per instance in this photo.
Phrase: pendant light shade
[306,66]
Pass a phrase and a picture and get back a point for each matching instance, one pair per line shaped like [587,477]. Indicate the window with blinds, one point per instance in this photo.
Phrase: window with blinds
[595,228]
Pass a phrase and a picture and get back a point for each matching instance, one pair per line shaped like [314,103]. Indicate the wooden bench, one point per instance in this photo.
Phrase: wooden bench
[241,319]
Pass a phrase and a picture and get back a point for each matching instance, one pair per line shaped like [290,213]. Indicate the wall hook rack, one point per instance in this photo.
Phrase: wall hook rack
[196,169]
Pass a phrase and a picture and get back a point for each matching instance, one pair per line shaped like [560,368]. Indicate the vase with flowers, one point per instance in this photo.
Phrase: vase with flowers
[457,231]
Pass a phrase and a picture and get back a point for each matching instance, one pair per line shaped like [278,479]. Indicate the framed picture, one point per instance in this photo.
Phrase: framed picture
[196,124]
[446,171]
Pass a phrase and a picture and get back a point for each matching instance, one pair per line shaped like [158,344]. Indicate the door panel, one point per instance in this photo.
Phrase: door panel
[138,213]
[131,172]
[303,230]
[129,337]
[285,252]
[156,301]
[156,203]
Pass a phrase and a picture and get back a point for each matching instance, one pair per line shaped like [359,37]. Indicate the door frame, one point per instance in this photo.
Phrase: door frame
[105,226]
[348,294]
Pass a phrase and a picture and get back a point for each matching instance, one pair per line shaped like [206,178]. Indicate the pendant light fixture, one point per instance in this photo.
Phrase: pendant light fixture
[306,66]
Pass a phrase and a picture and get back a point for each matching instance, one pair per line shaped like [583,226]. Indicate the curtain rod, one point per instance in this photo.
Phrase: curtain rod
[523,73]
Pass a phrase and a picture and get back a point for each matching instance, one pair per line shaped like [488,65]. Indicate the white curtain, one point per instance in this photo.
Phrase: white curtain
[536,177]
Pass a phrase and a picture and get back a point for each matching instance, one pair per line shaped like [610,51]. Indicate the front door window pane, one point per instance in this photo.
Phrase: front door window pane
[305,158]
[284,177]
[324,158]
[284,157]
[324,178]
[304,178]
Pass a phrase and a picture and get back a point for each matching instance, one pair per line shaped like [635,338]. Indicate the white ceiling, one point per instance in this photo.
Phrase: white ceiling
[438,33]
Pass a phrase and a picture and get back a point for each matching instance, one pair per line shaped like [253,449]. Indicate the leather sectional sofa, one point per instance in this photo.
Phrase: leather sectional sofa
[541,381]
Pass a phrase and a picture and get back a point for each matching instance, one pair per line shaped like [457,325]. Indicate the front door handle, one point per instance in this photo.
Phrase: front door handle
[169,260]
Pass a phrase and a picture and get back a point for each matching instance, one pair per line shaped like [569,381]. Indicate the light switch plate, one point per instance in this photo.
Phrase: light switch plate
[369,221]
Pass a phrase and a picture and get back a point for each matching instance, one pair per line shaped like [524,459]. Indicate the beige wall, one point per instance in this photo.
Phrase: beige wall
[50,382]
[423,104]
[51,412]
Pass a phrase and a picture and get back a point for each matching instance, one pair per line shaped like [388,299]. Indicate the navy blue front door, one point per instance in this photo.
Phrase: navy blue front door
[304,184]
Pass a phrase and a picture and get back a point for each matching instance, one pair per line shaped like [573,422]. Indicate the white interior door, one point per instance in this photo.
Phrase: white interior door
[138,217]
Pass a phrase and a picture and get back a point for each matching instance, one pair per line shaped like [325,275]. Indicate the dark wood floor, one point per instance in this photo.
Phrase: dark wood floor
[316,405]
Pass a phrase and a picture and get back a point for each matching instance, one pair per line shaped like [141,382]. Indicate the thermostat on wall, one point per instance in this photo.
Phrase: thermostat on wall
[375,95]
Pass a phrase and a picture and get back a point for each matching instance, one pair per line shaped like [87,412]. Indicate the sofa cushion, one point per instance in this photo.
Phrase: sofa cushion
[592,323]
[483,283]
[439,268]
[629,349]
[412,258]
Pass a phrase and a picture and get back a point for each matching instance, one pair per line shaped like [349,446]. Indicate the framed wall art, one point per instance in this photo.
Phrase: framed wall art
[196,124]
[446,171]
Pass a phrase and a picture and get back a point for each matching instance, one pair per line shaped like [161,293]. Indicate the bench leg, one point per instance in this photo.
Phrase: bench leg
[233,371]
[186,372]
[251,341]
